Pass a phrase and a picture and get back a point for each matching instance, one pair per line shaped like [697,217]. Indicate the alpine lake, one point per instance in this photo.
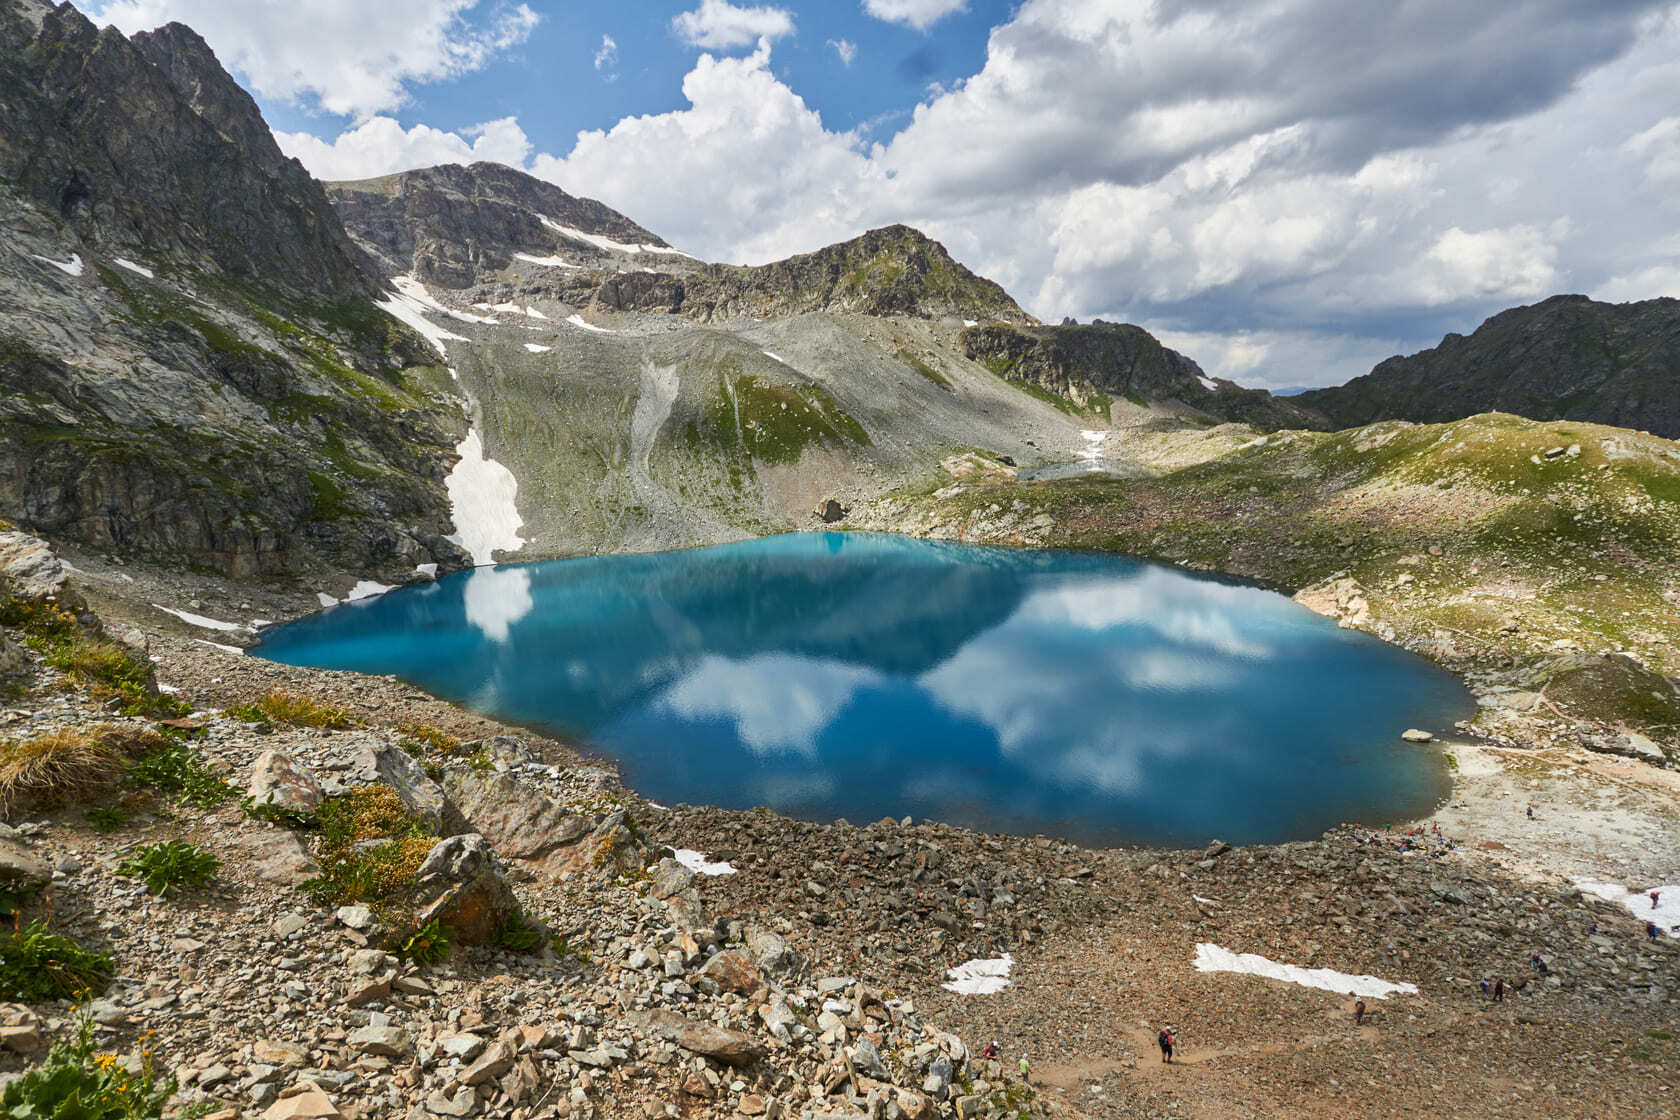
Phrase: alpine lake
[1087,696]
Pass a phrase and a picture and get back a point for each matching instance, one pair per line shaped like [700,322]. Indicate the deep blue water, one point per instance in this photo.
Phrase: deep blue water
[1094,697]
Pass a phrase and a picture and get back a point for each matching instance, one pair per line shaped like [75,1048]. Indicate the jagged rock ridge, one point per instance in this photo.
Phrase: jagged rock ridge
[1092,365]
[1565,358]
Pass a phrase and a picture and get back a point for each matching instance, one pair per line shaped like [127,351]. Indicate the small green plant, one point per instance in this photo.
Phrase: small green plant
[105,819]
[517,935]
[105,668]
[425,735]
[37,965]
[278,706]
[427,944]
[276,814]
[170,865]
[175,769]
[12,900]
[74,1083]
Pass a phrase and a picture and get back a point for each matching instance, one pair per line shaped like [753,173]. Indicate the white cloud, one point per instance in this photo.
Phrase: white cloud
[920,14]
[1504,264]
[845,48]
[606,56]
[354,59]
[380,146]
[720,25]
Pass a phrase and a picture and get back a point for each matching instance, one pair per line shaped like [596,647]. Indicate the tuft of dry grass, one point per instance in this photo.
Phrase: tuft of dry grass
[56,768]
[278,706]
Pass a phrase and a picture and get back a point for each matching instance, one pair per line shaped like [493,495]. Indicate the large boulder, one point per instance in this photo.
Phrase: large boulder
[392,766]
[470,893]
[734,1048]
[519,822]
[29,567]
[281,782]
[20,868]
[614,847]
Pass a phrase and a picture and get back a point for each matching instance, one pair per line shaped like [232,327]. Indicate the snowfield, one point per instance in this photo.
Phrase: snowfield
[481,502]
[1213,958]
[979,977]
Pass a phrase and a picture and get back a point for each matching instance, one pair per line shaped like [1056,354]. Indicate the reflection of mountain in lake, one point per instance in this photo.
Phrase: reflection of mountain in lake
[826,675]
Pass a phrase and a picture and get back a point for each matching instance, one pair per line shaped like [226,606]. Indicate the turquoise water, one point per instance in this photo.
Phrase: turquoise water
[1087,696]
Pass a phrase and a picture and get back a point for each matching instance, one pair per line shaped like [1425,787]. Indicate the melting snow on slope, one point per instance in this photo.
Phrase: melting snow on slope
[1666,913]
[481,501]
[1093,449]
[979,977]
[124,262]
[606,243]
[699,864]
[1212,958]
[366,589]
[325,600]
[1208,384]
[775,357]
[536,349]
[199,620]
[971,322]
[411,309]
[577,321]
[72,267]
[546,262]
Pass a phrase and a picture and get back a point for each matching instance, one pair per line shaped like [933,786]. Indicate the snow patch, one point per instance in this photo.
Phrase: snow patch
[536,349]
[546,262]
[979,977]
[167,689]
[417,292]
[71,267]
[325,600]
[1638,901]
[700,865]
[577,321]
[1209,384]
[971,322]
[124,262]
[199,620]
[427,570]
[235,650]
[775,357]
[607,244]
[366,589]
[1213,958]
[411,309]
[481,501]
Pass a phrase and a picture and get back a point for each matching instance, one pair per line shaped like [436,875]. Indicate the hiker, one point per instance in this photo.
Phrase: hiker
[1358,1012]
[1026,1070]
[1653,900]
[1486,987]
[1165,1038]
[1499,990]
[991,1051]
[1534,960]
[1531,812]
[1651,931]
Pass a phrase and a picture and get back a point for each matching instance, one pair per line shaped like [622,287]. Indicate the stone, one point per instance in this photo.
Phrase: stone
[970,1107]
[281,782]
[462,1102]
[279,856]
[774,955]
[289,923]
[464,1046]
[20,1029]
[734,1048]
[496,1060]
[830,511]
[358,918]
[520,822]
[751,1105]
[1414,735]
[670,878]
[734,972]
[612,848]
[310,1103]
[387,1042]
[475,899]
[395,767]
[275,1053]
[868,1061]
[21,868]
[29,566]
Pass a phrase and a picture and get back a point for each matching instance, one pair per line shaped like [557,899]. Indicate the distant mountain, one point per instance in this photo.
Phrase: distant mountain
[192,362]
[1566,358]
[1102,363]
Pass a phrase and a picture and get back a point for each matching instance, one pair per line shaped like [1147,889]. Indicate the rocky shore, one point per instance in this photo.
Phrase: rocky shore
[808,981]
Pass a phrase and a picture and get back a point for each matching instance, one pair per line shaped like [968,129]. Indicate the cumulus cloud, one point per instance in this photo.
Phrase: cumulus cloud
[920,14]
[720,25]
[381,146]
[606,55]
[845,48]
[356,59]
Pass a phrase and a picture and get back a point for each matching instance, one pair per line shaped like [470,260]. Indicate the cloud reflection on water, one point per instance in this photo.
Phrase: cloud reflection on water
[778,702]
[496,598]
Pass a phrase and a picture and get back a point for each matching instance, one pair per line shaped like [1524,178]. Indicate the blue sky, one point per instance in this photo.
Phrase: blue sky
[1288,192]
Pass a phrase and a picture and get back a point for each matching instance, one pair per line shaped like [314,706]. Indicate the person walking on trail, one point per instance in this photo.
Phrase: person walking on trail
[1358,1012]
[1165,1038]
[1651,931]
[1486,987]
[1026,1070]
[1499,990]
[1531,812]
[1653,900]
[991,1051]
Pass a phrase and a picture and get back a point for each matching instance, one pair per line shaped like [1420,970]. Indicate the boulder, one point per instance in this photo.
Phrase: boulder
[12,658]
[280,856]
[830,511]
[670,878]
[518,821]
[774,955]
[308,1103]
[283,783]
[21,868]
[33,572]
[471,895]
[1413,735]
[734,1048]
[612,848]
[734,972]
[385,1042]
[395,767]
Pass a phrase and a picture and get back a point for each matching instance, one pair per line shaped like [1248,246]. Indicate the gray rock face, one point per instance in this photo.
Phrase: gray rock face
[519,822]
[474,899]
[281,782]
[394,767]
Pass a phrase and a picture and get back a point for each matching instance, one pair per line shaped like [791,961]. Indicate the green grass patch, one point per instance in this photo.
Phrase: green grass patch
[178,772]
[279,706]
[106,669]
[924,369]
[370,849]
[37,965]
[166,868]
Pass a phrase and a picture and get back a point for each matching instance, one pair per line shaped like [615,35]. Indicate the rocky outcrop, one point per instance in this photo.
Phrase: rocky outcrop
[1565,358]
[191,362]
[1092,365]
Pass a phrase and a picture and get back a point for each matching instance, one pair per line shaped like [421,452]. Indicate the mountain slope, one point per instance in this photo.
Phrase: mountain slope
[1093,365]
[1567,357]
[191,360]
